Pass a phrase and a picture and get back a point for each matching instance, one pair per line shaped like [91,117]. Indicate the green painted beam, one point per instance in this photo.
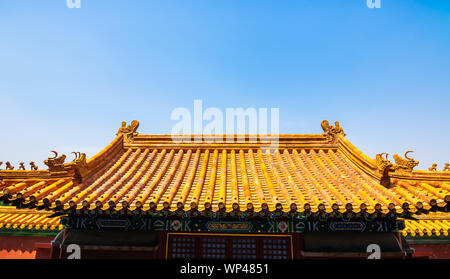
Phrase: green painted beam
[21,232]
[428,239]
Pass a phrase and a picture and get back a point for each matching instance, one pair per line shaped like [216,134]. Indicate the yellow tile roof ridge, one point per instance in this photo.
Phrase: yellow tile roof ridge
[27,219]
[118,166]
[433,216]
[162,135]
[14,210]
[368,164]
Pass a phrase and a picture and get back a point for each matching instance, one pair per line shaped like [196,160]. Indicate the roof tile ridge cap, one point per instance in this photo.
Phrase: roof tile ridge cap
[24,174]
[433,217]
[344,142]
[437,172]
[444,175]
[23,171]
[169,136]
[16,211]
[108,148]
[423,176]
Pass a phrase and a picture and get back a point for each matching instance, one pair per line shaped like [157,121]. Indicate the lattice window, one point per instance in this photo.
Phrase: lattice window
[183,248]
[275,249]
[243,249]
[213,248]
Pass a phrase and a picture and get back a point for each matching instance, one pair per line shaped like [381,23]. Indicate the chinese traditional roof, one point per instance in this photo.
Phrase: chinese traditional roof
[433,224]
[158,172]
[35,222]
[13,220]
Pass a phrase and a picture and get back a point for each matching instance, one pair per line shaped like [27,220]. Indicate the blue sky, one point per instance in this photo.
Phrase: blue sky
[68,77]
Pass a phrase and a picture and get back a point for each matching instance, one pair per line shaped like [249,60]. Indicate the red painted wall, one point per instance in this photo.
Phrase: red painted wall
[431,251]
[20,247]
[30,247]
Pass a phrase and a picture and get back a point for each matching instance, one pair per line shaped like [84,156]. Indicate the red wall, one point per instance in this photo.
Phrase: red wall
[431,251]
[20,247]
[26,247]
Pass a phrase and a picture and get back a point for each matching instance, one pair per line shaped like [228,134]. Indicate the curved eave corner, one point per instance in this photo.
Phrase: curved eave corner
[358,158]
[28,222]
[368,165]
[16,185]
[128,150]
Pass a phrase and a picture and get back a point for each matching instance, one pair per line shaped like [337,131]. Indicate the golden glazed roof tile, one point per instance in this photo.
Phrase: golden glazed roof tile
[153,171]
[429,225]
[433,224]
[25,219]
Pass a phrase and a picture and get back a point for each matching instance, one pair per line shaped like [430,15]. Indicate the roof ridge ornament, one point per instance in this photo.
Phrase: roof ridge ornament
[384,166]
[402,166]
[80,167]
[9,166]
[21,166]
[446,167]
[405,165]
[433,167]
[330,132]
[55,164]
[33,166]
[129,132]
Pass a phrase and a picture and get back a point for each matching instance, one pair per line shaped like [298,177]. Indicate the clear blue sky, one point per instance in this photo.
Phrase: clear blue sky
[68,77]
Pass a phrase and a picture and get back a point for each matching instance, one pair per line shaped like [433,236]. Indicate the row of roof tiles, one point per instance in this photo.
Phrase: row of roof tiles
[17,219]
[419,228]
[432,224]
[225,179]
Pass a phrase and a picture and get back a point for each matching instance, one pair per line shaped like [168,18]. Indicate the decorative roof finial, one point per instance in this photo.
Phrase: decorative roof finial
[433,167]
[129,131]
[330,131]
[55,164]
[9,166]
[384,166]
[33,166]
[407,164]
[446,167]
[21,166]
[80,167]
